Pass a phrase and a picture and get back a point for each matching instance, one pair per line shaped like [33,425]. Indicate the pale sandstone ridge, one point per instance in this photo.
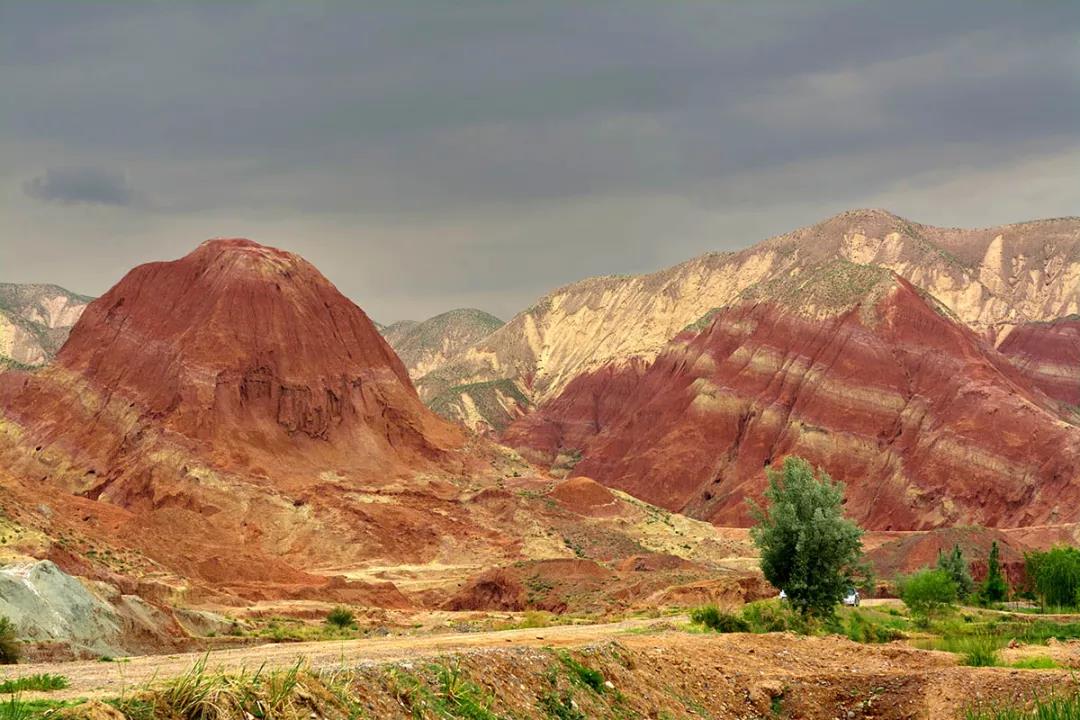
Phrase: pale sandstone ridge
[34,322]
[427,345]
[992,279]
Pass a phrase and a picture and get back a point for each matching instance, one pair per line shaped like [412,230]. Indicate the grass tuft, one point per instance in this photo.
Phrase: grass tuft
[43,682]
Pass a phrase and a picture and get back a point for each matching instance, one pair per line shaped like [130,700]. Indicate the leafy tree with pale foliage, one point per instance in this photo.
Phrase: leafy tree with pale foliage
[927,592]
[808,548]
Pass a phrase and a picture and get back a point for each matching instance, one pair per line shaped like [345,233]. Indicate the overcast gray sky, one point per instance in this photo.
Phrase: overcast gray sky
[429,155]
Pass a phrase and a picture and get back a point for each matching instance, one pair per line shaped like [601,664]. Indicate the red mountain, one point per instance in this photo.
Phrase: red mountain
[227,401]
[848,365]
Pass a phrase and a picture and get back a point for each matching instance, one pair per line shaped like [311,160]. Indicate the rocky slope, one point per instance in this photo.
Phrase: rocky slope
[34,322]
[992,279]
[850,366]
[425,346]
[1048,354]
[228,424]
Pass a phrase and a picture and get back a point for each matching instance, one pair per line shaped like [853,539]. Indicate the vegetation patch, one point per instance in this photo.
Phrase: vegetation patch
[43,682]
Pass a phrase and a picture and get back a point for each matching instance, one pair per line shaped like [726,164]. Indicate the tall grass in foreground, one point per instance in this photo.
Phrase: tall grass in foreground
[1054,708]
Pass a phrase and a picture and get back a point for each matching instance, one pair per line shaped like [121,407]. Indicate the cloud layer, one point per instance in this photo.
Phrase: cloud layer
[72,186]
[429,155]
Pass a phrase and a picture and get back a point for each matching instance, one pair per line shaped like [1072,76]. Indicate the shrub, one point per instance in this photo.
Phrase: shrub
[863,630]
[715,619]
[770,616]
[1055,575]
[994,589]
[9,643]
[957,567]
[808,548]
[340,617]
[927,592]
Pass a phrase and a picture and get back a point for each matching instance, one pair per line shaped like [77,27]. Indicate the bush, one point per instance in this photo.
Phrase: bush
[340,617]
[1055,576]
[927,593]
[9,643]
[715,619]
[862,630]
[770,616]
[808,548]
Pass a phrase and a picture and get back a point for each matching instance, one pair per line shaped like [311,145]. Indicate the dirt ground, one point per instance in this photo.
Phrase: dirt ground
[661,671]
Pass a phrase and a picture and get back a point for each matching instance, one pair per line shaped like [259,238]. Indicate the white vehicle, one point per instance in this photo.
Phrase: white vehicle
[852,598]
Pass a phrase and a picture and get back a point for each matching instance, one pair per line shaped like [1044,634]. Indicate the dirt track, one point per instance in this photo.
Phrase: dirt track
[106,679]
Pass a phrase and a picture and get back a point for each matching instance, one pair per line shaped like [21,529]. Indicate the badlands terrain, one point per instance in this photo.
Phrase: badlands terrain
[223,447]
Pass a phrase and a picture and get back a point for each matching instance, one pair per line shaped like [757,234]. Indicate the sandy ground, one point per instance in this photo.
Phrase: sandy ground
[107,679]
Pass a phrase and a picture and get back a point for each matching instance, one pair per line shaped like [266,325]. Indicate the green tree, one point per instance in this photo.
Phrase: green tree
[927,592]
[808,548]
[957,567]
[1055,576]
[994,589]
[9,643]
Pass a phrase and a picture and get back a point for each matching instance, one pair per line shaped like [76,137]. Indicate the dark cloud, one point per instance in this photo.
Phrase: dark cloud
[85,185]
[431,151]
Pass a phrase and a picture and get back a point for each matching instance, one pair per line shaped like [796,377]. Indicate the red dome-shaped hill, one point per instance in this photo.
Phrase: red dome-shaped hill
[244,352]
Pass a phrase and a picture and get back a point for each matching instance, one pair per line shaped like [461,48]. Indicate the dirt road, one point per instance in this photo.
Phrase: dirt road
[108,679]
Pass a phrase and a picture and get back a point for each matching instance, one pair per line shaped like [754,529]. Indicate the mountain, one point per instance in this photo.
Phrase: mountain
[34,322]
[228,425]
[425,346]
[1048,354]
[850,366]
[992,279]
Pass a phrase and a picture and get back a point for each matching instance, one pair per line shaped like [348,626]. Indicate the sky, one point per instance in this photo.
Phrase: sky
[479,153]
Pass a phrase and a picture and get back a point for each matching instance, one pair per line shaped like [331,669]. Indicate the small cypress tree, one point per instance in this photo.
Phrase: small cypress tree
[994,589]
[956,566]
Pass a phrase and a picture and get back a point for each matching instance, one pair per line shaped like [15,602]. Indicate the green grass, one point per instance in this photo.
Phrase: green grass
[1060,707]
[14,708]
[977,650]
[454,696]
[582,674]
[1041,662]
[42,683]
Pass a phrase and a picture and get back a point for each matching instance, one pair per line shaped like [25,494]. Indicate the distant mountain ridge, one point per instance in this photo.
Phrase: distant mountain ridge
[425,345]
[992,279]
[34,322]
